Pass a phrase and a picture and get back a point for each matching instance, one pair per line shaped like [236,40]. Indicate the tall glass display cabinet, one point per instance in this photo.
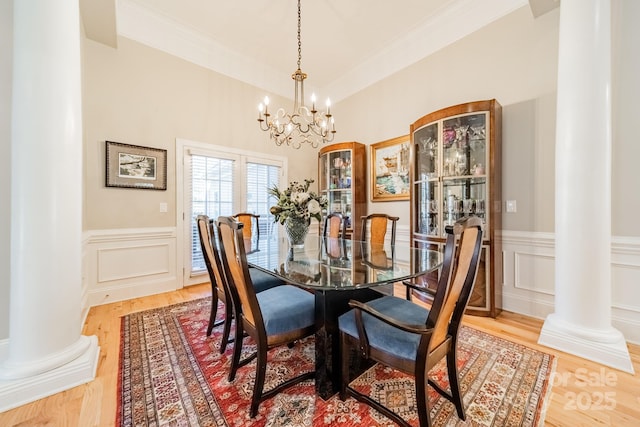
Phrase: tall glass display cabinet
[342,169]
[455,172]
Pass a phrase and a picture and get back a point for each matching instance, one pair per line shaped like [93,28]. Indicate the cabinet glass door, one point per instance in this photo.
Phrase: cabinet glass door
[427,208]
[464,197]
[464,160]
[427,187]
[429,280]
[339,183]
[464,145]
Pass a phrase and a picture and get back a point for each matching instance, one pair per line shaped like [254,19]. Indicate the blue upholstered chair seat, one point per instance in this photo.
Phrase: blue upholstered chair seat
[286,308]
[384,336]
[263,281]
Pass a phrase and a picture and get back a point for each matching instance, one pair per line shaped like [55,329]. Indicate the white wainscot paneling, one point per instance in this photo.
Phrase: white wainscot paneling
[534,272]
[125,264]
[625,279]
[84,295]
[529,278]
[528,273]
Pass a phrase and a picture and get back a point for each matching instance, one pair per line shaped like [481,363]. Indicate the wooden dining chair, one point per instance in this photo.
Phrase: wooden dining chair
[374,228]
[275,317]
[410,338]
[219,289]
[373,233]
[218,279]
[335,225]
[251,223]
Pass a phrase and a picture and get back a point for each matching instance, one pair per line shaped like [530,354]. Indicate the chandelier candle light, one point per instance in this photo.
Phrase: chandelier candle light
[302,126]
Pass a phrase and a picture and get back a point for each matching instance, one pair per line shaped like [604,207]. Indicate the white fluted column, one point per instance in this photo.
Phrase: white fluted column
[46,352]
[581,324]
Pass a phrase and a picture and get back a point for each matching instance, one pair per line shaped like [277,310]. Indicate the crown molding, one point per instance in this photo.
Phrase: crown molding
[163,33]
[435,34]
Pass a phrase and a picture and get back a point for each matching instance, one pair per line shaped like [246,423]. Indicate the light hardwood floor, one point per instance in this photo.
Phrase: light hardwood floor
[584,393]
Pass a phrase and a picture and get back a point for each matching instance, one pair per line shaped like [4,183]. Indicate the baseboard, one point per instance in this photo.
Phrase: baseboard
[527,305]
[81,370]
[130,290]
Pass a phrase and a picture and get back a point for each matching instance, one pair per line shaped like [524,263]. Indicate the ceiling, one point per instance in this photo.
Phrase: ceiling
[347,45]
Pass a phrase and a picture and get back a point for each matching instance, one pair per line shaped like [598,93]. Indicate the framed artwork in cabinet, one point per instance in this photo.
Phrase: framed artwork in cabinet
[390,169]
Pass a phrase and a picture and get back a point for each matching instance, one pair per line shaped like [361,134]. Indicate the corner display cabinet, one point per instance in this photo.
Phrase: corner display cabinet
[342,169]
[455,172]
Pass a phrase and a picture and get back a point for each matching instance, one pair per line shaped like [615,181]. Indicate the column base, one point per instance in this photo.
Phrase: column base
[14,393]
[570,338]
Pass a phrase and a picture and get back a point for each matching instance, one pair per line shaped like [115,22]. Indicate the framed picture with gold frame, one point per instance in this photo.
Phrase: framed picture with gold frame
[133,166]
[390,169]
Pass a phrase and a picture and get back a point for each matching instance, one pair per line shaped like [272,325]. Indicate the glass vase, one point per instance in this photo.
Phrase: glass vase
[296,229]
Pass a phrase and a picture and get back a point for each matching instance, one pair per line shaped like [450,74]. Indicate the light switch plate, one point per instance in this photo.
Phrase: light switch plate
[163,207]
[511,206]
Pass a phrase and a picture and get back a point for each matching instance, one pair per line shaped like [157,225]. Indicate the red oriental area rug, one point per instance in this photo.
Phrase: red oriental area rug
[172,374]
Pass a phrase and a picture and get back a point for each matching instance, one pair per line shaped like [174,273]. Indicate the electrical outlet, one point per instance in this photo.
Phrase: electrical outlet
[511,206]
[163,207]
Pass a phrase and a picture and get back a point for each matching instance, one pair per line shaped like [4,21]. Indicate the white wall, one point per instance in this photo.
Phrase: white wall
[625,196]
[141,96]
[513,60]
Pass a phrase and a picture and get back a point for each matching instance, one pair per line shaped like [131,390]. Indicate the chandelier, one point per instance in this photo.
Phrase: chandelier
[303,125]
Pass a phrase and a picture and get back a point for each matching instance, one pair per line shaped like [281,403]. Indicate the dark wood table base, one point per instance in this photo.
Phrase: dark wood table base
[330,304]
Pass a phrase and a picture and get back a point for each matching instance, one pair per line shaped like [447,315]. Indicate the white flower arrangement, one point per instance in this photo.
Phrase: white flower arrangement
[297,202]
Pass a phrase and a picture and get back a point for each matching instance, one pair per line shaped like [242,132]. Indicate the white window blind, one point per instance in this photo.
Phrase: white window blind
[212,183]
[260,177]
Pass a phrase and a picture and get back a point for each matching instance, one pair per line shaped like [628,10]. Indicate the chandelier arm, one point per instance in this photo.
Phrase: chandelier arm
[264,125]
[320,131]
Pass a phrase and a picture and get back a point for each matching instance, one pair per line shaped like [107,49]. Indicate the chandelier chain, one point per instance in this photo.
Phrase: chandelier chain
[299,39]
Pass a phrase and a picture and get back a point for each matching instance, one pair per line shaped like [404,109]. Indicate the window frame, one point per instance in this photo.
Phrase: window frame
[186,148]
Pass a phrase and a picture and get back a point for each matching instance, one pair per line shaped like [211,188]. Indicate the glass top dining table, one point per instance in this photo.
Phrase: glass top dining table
[337,271]
[330,264]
